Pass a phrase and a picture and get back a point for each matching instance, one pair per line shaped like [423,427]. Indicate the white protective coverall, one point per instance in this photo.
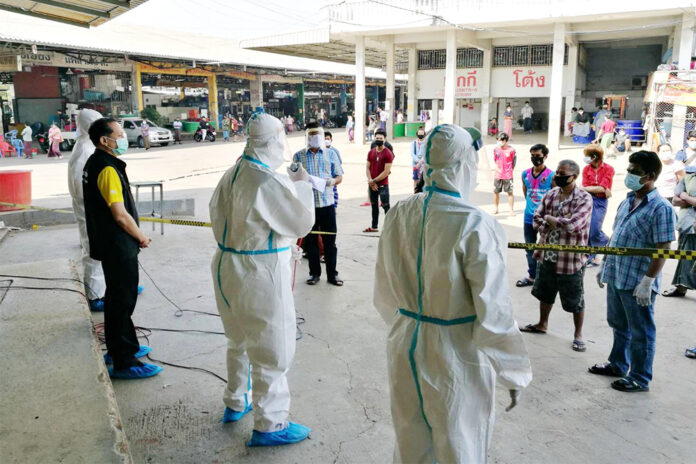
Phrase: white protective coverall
[257,215]
[441,284]
[83,149]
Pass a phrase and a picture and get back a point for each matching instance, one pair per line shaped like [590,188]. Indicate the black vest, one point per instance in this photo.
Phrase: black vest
[107,240]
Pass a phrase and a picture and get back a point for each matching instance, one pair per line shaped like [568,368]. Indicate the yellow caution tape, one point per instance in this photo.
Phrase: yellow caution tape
[656,253]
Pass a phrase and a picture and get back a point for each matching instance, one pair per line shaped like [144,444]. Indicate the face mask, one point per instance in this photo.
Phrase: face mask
[121,146]
[499,143]
[692,144]
[665,155]
[632,181]
[314,141]
[327,143]
[421,136]
[537,160]
[587,159]
[379,143]
[562,181]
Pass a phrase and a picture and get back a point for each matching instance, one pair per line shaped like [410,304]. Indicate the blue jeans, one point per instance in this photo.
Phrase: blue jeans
[634,334]
[530,236]
[599,210]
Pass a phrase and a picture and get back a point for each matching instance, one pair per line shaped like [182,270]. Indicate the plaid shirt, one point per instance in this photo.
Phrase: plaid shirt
[652,222]
[325,165]
[574,217]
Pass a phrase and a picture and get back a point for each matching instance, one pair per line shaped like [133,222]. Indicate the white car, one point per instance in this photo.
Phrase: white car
[158,135]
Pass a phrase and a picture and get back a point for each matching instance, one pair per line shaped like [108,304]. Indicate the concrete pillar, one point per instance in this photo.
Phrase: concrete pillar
[412,106]
[556,99]
[213,110]
[485,83]
[686,43]
[571,86]
[450,77]
[360,90]
[256,93]
[435,113]
[137,89]
[300,104]
[390,94]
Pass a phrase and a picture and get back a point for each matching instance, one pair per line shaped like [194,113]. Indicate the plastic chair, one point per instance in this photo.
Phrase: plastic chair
[19,147]
[5,148]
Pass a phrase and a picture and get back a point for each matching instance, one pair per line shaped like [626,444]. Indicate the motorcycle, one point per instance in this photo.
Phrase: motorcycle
[204,134]
[42,138]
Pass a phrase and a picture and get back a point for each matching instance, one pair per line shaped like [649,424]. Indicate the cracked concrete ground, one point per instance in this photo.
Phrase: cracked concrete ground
[338,379]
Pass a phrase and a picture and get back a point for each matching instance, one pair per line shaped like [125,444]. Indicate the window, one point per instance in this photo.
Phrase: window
[437,59]
[526,55]
[128,125]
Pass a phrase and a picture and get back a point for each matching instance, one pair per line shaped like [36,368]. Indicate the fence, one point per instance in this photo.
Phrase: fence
[671,108]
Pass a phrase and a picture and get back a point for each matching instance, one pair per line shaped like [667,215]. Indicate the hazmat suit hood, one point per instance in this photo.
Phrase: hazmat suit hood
[267,141]
[451,160]
[83,149]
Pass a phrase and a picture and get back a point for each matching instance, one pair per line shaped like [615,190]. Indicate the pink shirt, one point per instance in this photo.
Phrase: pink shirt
[608,126]
[504,162]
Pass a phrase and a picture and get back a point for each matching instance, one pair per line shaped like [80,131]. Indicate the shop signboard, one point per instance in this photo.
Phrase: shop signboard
[10,63]
[521,82]
[431,83]
[43,58]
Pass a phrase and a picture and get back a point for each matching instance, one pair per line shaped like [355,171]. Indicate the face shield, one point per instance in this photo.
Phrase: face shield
[314,138]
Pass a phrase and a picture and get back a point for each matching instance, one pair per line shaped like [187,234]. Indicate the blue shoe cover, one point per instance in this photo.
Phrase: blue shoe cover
[292,434]
[96,306]
[135,372]
[231,415]
[140,289]
[143,351]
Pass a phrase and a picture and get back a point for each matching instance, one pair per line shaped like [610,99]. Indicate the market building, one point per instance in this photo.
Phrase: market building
[467,60]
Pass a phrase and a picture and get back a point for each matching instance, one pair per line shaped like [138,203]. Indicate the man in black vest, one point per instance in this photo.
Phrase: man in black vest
[115,239]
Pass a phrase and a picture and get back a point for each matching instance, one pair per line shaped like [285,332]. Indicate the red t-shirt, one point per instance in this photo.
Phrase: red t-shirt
[377,162]
[603,176]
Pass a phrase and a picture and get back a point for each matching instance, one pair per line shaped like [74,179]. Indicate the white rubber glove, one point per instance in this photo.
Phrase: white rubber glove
[330,182]
[514,396]
[643,291]
[300,175]
[296,253]
[599,276]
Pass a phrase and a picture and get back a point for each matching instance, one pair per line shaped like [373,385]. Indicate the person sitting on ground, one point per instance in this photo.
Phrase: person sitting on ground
[620,144]
[493,126]
[562,218]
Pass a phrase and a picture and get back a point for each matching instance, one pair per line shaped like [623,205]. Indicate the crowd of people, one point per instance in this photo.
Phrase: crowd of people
[257,215]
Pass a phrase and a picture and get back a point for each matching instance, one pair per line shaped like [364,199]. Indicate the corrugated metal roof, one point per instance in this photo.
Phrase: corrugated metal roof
[84,13]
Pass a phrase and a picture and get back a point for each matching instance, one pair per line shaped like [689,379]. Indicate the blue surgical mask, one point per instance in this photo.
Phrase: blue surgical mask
[121,146]
[632,181]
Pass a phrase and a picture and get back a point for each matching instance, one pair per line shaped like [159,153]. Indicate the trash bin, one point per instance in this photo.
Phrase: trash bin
[190,126]
[15,187]
[399,130]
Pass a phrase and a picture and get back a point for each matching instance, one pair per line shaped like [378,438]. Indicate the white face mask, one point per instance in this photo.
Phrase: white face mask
[692,144]
[587,159]
[327,143]
[665,155]
[314,141]
[499,143]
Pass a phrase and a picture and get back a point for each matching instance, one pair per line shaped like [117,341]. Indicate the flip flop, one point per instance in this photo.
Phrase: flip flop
[370,229]
[531,328]
[673,293]
[526,282]
[690,353]
[579,345]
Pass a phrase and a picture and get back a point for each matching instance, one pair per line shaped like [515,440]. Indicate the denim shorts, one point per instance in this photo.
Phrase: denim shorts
[570,286]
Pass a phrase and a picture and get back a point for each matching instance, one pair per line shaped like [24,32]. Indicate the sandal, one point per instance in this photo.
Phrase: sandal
[674,292]
[579,345]
[628,385]
[370,229]
[526,282]
[690,353]
[604,369]
[531,328]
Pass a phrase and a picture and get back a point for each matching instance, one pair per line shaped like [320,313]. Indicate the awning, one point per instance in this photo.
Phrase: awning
[84,13]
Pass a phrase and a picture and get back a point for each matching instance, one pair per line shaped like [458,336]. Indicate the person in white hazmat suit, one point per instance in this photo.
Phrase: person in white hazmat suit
[83,149]
[257,216]
[441,284]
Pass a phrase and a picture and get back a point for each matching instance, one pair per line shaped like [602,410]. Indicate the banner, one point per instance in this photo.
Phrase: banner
[64,61]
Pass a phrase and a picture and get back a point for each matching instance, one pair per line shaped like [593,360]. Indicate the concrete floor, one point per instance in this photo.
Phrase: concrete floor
[338,379]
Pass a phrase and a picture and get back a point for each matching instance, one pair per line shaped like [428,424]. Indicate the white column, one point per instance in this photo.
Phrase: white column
[556,99]
[412,70]
[450,77]
[360,90]
[435,113]
[390,94]
[685,43]
[485,83]
[571,86]
[256,93]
